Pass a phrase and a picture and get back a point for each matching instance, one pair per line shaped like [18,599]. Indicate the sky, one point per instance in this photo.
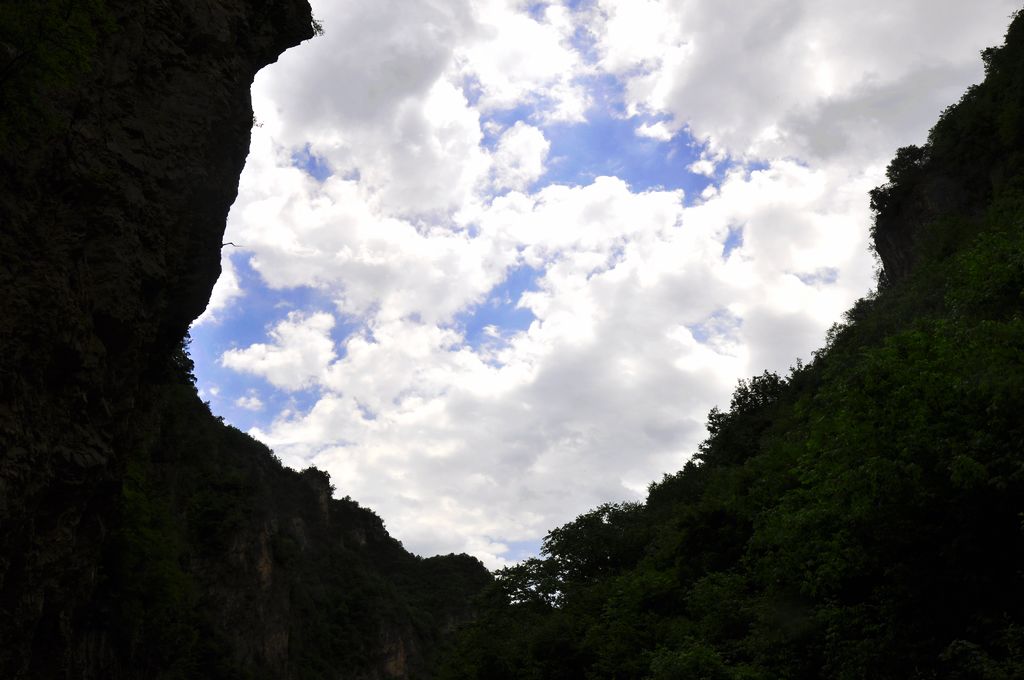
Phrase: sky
[496,260]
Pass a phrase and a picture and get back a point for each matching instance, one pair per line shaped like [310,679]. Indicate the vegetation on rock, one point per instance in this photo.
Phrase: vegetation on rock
[223,557]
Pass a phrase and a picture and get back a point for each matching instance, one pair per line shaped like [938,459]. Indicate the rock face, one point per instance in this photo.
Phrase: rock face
[124,125]
[974,151]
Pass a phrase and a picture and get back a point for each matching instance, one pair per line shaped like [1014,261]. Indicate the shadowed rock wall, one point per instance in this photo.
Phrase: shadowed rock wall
[124,125]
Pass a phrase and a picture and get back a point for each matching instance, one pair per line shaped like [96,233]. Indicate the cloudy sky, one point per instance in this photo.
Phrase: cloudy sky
[497,259]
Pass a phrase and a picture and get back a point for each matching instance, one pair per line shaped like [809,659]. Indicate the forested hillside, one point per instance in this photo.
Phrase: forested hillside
[222,563]
[859,517]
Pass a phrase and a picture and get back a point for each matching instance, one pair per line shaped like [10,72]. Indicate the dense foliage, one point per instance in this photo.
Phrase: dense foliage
[861,517]
[223,561]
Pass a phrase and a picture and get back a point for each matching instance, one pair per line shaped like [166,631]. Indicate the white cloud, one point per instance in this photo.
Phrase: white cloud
[519,158]
[332,236]
[460,446]
[703,166]
[371,97]
[658,130]
[636,35]
[640,322]
[250,402]
[516,58]
[301,350]
[793,76]
[374,57]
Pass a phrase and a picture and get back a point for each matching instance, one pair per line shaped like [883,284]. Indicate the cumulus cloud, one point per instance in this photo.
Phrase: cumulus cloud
[302,348]
[250,402]
[703,166]
[519,158]
[641,307]
[375,57]
[517,58]
[332,236]
[658,130]
[640,325]
[372,99]
[763,78]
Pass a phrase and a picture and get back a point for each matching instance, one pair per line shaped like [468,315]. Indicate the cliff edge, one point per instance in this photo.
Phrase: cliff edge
[139,536]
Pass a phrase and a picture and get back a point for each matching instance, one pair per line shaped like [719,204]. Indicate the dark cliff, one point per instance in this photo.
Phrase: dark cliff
[139,536]
[975,151]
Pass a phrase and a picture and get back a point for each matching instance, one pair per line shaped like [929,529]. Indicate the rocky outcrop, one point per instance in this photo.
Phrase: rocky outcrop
[899,228]
[937,192]
[124,125]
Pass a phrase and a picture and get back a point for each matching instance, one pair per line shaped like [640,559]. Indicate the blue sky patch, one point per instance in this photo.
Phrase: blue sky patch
[536,10]
[608,144]
[733,240]
[245,322]
[721,325]
[499,309]
[313,165]
[819,277]
[505,118]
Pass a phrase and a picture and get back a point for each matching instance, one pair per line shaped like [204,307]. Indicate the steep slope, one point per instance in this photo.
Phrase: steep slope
[223,563]
[139,536]
[858,518]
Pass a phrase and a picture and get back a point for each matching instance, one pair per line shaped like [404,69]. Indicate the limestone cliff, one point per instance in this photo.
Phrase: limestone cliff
[139,536]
